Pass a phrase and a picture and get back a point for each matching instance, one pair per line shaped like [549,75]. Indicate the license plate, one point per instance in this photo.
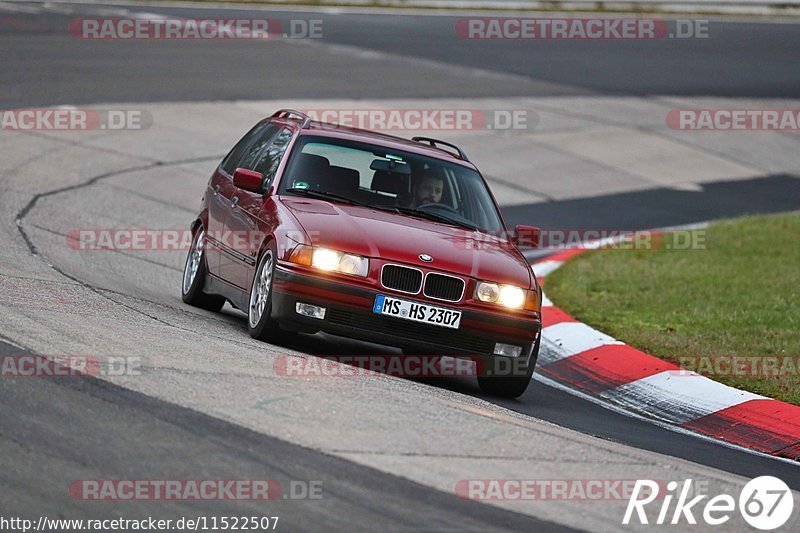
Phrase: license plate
[428,314]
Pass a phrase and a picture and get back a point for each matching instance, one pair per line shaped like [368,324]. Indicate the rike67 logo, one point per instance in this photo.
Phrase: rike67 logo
[765,503]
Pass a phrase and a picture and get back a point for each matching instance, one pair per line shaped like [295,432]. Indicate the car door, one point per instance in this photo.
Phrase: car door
[247,221]
[222,194]
[217,211]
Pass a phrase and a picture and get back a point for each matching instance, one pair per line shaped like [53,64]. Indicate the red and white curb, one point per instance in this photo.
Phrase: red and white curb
[591,362]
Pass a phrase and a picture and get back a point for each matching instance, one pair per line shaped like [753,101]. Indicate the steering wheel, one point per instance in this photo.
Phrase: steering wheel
[434,206]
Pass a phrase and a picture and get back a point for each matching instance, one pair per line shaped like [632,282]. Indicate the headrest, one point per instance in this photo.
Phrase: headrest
[392,182]
[312,166]
[345,179]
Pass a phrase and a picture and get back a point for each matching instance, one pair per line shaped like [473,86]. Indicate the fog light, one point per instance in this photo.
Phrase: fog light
[310,310]
[507,350]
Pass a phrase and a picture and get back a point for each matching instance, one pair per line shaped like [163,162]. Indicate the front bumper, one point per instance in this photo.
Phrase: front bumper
[349,314]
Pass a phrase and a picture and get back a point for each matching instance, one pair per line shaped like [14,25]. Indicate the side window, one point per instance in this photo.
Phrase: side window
[253,152]
[268,161]
[231,161]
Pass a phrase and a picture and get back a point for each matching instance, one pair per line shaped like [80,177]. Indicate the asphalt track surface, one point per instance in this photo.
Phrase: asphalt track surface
[43,67]
[105,417]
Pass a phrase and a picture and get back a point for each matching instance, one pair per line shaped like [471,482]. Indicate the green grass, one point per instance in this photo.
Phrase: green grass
[740,296]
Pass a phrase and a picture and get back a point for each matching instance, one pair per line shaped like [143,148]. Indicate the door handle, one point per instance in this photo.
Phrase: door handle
[234,202]
[216,190]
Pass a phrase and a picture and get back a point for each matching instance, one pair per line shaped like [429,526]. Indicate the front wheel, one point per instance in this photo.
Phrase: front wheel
[259,310]
[194,276]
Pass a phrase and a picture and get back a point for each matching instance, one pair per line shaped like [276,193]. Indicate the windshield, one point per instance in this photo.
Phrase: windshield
[411,184]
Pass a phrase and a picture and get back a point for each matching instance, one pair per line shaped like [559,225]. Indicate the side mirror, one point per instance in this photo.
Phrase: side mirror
[249,180]
[526,236]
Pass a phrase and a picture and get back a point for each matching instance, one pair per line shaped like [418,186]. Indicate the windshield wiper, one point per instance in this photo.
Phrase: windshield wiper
[325,196]
[430,216]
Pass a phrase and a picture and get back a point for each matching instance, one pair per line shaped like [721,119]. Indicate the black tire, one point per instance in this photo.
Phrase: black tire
[260,324]
[193,282]
[510,386]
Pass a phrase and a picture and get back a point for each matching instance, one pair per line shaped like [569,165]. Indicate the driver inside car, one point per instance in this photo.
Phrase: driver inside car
[427,188]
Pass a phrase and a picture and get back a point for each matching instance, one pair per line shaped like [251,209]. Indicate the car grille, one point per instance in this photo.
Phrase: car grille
[401,278]
[444,287]
[464,344]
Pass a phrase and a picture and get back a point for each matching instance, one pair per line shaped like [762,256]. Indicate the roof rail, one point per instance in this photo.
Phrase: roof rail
[434,142]
[287,113]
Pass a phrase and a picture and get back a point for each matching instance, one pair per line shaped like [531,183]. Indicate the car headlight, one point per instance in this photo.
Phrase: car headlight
[325,259]
[510,296]
[331,260]
[488,292]
[505,295]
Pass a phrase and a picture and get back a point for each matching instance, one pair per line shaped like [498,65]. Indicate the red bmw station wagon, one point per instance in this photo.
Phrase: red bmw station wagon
[308,227]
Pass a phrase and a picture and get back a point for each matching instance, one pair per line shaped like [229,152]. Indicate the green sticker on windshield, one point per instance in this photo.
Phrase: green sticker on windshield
[300,185]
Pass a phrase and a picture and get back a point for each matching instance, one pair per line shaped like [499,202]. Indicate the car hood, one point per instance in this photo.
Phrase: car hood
[400,238]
